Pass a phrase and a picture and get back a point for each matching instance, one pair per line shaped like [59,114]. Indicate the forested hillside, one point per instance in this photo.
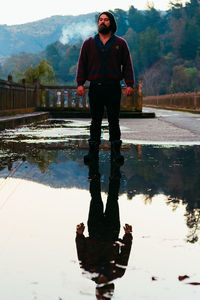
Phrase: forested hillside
[165,47]
[35,36]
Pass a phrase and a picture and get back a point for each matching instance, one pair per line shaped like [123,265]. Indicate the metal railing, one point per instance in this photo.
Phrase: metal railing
[180,100]
[15,97]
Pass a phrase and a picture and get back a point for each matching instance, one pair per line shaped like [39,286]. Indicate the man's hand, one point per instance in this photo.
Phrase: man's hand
[129,91]
[128,228]
[80,228]
[81,90]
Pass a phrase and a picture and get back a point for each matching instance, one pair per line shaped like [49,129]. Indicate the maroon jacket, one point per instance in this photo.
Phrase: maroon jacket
[109,257]
[99,63]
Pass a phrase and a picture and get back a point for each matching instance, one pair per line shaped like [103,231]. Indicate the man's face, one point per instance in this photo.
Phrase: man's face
[104,24]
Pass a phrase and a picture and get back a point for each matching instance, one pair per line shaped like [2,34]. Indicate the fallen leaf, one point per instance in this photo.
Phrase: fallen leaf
[154,278]
[193,283]
[181,278]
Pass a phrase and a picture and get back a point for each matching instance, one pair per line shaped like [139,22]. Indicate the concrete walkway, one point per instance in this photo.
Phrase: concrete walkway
[20,116]
[167,127]
[21,119]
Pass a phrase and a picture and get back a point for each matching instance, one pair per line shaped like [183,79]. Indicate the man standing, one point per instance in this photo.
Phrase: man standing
[104,61]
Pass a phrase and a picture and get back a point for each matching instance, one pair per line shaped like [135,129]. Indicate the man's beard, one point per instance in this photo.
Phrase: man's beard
[103,29]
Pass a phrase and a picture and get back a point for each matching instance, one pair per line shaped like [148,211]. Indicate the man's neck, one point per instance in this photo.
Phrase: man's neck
[105,37]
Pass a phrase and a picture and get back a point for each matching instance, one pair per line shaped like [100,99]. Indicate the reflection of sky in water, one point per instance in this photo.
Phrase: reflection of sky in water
[44,197]
[38,252]
[52,132]
[62,130]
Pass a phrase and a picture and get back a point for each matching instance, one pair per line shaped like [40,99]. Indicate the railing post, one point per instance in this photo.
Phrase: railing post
[129,101]
[47,98]
[55,98]
[84,101]
[195,98]
[140,95]
[1,102]
[70,98]
[77,101]
[25,89]
[123,99]
[10,93]
[37,93]
[62,99]
[10,78]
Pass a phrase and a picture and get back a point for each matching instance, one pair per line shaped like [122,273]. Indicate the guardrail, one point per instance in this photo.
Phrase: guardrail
[189,101]
[23,98]
[16,98]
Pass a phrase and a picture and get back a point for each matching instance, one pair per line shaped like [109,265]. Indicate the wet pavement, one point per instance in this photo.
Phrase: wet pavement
[169,127]
[46,191]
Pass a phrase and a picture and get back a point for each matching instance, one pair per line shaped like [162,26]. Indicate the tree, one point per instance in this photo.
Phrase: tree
[190,42]
[136,19]
[184,79]
[148,49]
[131,38]
[176,9]
[153,18]
[19,63]
[176,35]
[193,223]
[121,19]
[43,72]
[53,55]
[151,82]
[69,59]
[1,70]
[191,73]
[157,78]
[191,7]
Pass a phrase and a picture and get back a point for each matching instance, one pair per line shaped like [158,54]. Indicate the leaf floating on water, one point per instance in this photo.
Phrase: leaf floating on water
[154,278]
[193,283]
[181,278]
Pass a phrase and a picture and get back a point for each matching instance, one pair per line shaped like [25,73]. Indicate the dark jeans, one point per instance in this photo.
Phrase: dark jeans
[101,96]
[104,225]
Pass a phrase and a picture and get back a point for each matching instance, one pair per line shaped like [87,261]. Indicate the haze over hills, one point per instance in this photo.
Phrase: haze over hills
[35,36]
[165,47]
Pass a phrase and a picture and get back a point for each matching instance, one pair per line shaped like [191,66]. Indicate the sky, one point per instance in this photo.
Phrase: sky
[20,11]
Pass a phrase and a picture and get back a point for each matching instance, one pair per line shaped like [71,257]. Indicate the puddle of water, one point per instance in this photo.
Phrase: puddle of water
[45,193]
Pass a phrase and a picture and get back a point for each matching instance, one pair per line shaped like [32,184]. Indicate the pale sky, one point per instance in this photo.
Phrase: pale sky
[21,11]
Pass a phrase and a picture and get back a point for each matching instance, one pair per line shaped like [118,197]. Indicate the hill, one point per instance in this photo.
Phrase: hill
[165,47]
[33,37]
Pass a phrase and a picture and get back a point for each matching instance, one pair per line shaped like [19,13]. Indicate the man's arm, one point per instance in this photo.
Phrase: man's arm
[127,70]
[81,70]
[129,91]
[81,90]
[80,242]
[126,248]
[123,256]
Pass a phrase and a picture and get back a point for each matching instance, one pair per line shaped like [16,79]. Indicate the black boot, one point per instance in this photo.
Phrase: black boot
[93,153]
[94,170]
[115,152]
[115,173]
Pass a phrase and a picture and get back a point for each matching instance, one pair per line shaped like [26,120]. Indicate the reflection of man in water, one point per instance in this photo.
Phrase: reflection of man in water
[103,255]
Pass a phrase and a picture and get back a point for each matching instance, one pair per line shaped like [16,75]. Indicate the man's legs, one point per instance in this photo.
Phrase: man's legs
[96,110]
[113,99]
[96,214]
[96,100]
[100,96]
[113,110]
[112,218]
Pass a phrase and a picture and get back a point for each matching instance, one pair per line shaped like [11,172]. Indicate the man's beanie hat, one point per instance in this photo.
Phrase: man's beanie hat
[113,23]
